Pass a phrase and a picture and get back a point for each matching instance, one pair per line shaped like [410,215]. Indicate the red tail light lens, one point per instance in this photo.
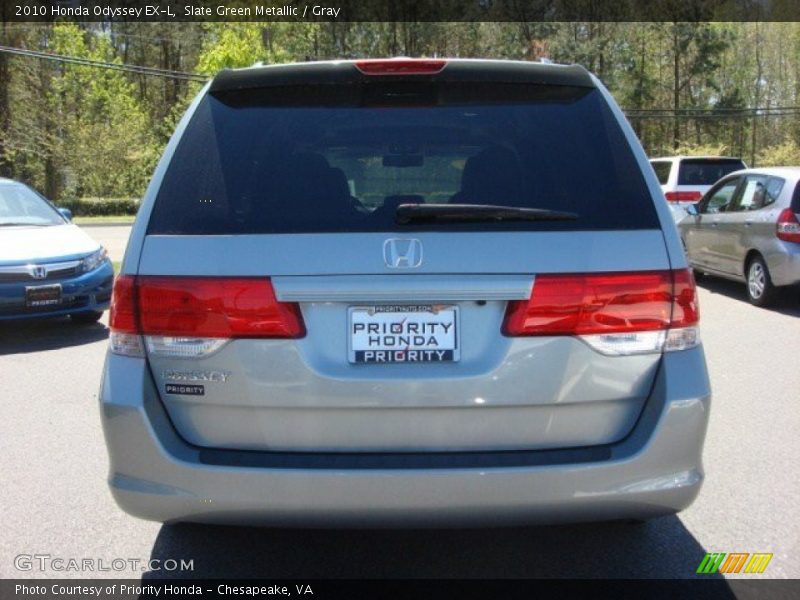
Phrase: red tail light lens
[223,307]
[410,66]
[683,196]
[604,303]
[685,308]
[788,227]
[123,305]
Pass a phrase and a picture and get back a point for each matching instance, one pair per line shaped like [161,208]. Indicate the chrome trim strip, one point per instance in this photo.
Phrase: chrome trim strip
[26,269]
[403,288]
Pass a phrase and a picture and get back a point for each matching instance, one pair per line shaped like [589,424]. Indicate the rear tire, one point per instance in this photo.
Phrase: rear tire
[760,290]
[86,318]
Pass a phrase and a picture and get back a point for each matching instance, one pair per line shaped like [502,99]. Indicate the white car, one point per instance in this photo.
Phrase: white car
[684,179]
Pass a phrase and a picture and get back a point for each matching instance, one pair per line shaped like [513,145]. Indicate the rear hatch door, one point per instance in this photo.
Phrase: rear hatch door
[404,347]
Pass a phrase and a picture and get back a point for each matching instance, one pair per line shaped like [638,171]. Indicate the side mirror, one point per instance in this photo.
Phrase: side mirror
[66,213]
[692,210]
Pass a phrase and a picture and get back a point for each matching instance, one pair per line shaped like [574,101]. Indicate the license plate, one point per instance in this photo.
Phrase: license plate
[43,295]
[403,334]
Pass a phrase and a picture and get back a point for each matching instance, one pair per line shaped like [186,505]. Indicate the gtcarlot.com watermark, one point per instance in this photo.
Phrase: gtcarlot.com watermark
[71,564]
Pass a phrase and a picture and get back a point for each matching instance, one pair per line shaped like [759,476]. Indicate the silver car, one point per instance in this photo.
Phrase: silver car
[746,228]
[404,292]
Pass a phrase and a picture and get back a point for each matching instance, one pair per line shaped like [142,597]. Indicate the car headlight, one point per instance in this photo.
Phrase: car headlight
[94,260]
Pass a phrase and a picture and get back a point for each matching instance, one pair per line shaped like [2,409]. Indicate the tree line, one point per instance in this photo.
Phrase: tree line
[94,126]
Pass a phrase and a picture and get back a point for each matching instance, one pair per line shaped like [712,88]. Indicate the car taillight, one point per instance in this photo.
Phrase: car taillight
[402,66]
[788,227]
[123,305]
[124,338]
[683,196]
[615,313]
[194,316]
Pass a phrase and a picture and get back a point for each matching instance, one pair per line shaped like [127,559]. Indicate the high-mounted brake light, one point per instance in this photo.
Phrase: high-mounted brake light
[683,196]
[788,227]
[194,316]
[402,66]
[616,313]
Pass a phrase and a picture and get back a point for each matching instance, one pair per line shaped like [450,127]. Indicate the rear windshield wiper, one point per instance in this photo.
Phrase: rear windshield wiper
[408,213]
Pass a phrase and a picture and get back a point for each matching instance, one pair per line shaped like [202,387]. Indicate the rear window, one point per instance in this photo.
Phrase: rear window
[703,171]
[662,169]
[343,158]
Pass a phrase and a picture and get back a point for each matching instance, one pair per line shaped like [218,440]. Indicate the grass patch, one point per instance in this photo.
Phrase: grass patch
[99,220]
[116,264]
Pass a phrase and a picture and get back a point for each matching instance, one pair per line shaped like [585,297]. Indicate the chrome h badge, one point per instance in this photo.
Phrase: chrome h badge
[402,253]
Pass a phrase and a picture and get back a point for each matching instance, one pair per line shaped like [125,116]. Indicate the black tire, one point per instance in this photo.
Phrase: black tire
[86,318]
[760,290]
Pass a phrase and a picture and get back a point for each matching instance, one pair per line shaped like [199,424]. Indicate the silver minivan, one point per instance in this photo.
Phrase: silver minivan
[746,228]
[404,292]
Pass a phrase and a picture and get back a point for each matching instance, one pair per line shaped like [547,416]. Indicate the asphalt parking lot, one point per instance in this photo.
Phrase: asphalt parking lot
[55,500]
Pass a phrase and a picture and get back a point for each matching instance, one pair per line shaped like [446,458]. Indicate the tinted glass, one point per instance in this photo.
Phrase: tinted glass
[754,193]
[759,191]
[720,199]
[662,169]
[19,205]
[796,198]
[256,162]
[706,171]
[774,189]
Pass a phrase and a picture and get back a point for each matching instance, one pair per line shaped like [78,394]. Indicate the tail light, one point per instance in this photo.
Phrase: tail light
[788,227]
[194,316]
[124,338]
[683,196]
[615,313]
[402,66]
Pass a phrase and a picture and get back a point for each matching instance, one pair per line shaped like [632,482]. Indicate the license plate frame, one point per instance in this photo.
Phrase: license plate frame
[438,315]
[43,296]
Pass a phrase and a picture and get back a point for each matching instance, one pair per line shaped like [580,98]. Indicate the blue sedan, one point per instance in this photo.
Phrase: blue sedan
[48,266]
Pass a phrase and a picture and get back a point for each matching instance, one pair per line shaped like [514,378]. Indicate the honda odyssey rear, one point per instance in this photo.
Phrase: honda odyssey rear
[404,292]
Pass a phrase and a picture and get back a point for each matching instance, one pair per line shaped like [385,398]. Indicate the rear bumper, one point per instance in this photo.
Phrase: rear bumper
[83,293]
[783,262]
[655,470]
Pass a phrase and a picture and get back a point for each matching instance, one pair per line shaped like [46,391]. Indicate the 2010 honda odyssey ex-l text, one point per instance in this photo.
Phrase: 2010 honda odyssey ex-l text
[404,292]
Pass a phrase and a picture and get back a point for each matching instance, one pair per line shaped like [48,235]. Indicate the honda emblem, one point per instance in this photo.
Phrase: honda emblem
[402,253]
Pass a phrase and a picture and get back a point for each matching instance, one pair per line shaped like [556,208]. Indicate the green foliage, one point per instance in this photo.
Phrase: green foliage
[79,131]
[98,207]
[107,142]
[232,45]
[786,154]
[712,149]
